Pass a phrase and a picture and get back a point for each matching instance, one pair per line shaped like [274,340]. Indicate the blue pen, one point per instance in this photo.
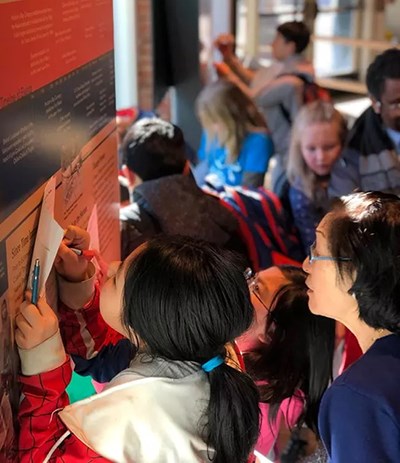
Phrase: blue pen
[35,282]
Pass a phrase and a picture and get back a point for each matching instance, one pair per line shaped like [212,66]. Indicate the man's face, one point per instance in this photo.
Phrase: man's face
[390,104]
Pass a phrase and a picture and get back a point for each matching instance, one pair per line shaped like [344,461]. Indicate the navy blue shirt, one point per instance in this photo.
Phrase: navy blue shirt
[111,360]
[306,217]
[359,418]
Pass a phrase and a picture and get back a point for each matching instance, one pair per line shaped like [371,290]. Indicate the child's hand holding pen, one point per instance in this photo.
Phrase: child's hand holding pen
[34,323]
[73,256]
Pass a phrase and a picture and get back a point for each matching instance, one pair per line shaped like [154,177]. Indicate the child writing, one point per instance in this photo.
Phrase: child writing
[279,298]
[236,146]
[179,301]
[318,137]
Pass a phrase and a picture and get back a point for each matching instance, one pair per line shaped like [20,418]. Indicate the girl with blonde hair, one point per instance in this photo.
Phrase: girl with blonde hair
[235,146]
[317,141]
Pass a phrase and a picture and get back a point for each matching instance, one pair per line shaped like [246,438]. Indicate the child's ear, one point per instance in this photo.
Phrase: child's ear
[129,175]
[376,105]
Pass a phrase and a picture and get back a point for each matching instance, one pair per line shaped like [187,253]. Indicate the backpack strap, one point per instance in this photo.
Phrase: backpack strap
[305,78]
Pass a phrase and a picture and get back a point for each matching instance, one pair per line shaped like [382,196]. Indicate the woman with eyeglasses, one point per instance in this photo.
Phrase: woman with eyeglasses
[289,354]
[353,276]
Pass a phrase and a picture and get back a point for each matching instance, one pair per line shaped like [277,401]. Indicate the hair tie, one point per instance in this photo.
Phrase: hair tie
[213,363]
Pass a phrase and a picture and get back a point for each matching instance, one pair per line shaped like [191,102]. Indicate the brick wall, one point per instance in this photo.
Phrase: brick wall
[145,61]
[144,54]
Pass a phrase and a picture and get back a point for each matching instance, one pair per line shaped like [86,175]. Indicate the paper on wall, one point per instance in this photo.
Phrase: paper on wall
[48,237]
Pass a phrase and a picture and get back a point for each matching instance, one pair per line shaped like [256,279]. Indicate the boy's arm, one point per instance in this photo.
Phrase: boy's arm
[224,71]
[246,75]
[225,43]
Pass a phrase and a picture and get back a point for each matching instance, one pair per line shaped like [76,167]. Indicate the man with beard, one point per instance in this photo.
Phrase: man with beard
[372,158]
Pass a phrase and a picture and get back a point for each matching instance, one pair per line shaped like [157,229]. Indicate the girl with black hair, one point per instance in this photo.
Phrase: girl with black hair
[292,360]
[180,301]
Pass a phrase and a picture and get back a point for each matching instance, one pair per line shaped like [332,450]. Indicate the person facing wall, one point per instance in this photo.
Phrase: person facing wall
[164,194]
[236,146]
[179,301]
[277,90]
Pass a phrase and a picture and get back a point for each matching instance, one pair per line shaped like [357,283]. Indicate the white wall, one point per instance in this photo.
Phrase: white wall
[392,16]
[126,92]
[214,19]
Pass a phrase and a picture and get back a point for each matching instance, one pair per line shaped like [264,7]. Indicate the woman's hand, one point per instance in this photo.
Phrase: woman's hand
[68,264]
[34,324]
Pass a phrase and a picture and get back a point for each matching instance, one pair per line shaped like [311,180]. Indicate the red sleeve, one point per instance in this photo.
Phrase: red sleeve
[84,331]
[40,428]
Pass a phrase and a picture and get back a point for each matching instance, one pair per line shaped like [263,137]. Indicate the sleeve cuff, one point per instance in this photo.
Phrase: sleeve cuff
[47,356]
[77,295]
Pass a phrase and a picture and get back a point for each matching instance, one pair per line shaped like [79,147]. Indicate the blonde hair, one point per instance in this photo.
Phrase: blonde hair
[297,169]
[224,103]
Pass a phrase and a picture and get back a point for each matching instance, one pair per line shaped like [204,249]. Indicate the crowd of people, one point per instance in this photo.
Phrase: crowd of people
[244,324]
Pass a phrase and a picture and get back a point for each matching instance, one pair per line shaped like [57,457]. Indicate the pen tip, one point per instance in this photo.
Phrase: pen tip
[36,261]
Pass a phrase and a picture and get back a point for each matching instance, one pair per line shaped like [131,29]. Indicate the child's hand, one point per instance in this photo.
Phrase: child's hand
[69,265]
[223,70]
[34,324]
[225,44]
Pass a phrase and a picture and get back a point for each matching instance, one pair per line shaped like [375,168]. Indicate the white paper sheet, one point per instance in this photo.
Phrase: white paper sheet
[93,229]
[48,237]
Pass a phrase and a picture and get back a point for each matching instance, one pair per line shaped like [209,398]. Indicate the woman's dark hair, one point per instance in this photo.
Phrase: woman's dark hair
[299,353]
[185,300]
[296,32]
[365,227]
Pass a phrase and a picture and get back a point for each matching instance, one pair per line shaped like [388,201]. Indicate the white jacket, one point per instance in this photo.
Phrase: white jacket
[152,412]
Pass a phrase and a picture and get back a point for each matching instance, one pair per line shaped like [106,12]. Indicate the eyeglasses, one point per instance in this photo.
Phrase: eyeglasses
[252,282]
[312,257]
[391,106]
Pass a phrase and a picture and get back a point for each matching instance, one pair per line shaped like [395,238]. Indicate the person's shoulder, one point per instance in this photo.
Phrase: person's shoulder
[296,193]
[349,158]
[131,212]
[302,66]
[136,219]
[257,137]
[376,375]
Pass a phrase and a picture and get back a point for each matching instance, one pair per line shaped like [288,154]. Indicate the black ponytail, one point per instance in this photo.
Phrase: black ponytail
[233,415]
[185,300]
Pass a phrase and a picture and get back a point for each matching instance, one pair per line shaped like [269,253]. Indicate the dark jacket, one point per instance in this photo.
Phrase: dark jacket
[359,417]
[369,162]
[176,205]
[307,213]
